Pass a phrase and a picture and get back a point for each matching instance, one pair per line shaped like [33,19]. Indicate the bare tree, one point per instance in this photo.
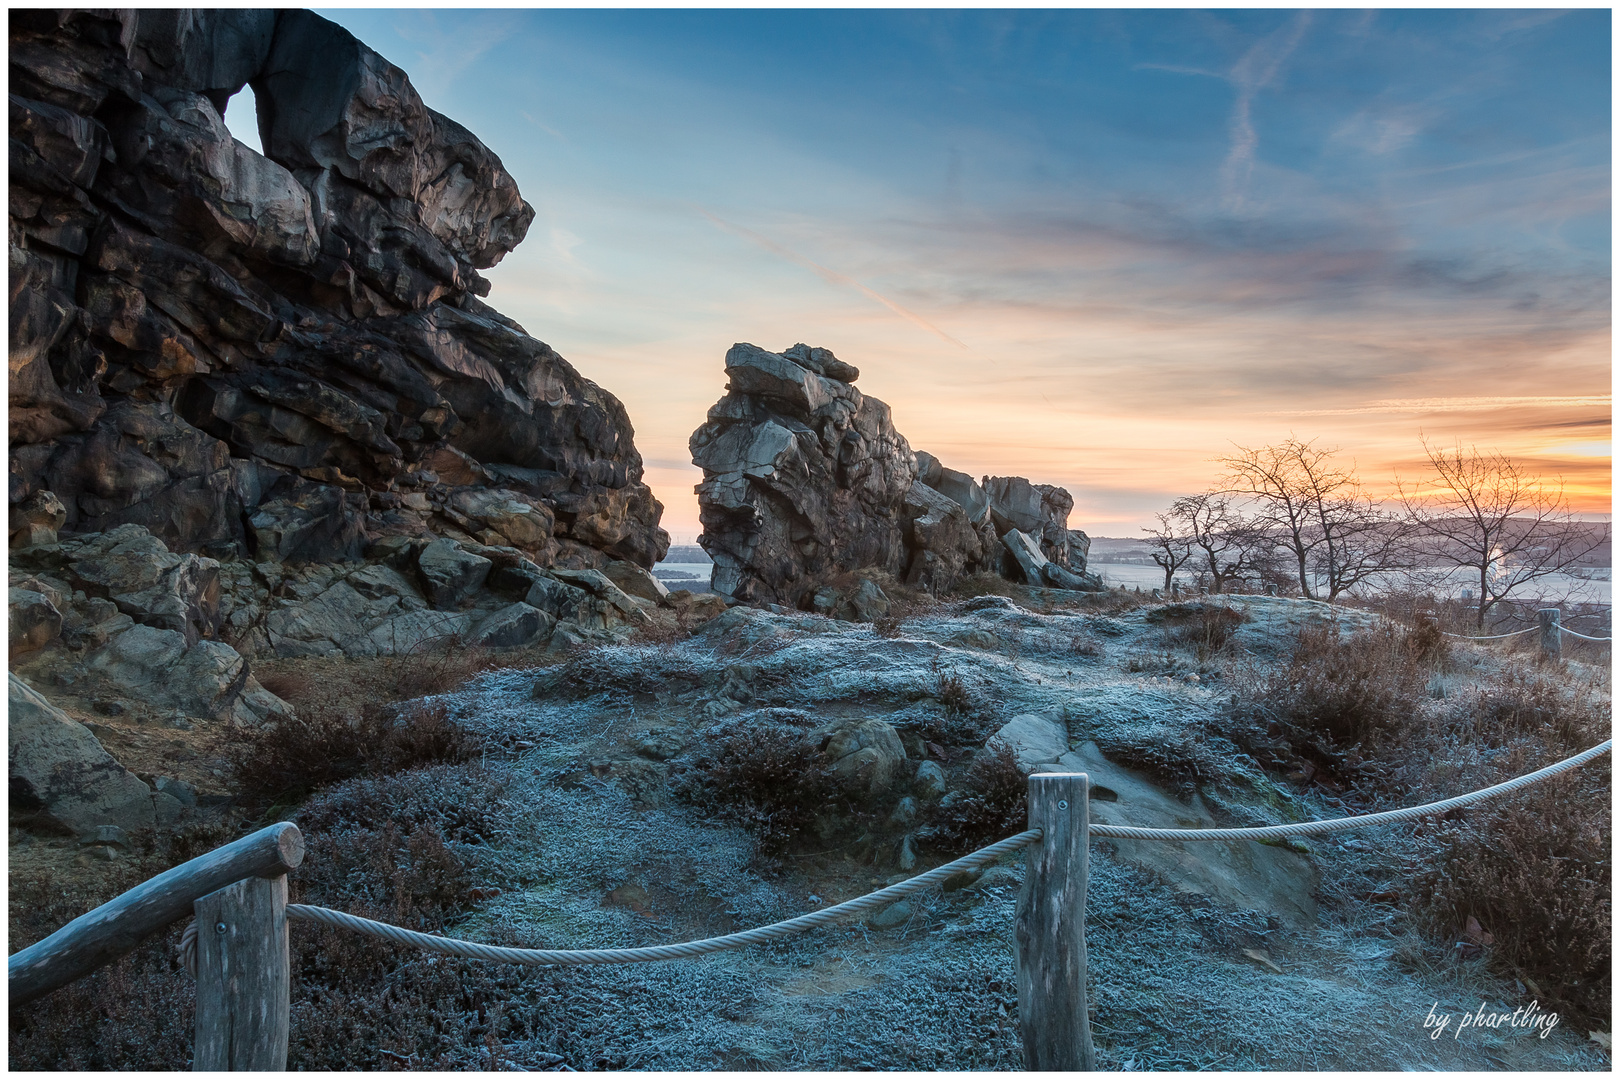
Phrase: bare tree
[1318,512]
[1171,548]
[1224,544]
[1484,513]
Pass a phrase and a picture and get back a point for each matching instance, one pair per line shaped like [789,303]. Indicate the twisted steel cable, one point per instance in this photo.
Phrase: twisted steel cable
[1312,828]
[1490,637]
[1583,637]
[477,951]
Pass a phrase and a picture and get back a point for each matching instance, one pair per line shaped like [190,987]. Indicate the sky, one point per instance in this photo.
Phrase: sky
[1096,248]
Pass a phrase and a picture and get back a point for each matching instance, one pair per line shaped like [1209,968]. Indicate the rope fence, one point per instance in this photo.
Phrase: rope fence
[1583,637]
[1491,637]
[474,950]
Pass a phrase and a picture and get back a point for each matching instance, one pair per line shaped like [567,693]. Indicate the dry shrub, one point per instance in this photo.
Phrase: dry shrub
[666,627]
[983,584]
[1534,871]
[1337,693]
[438,666]
[290,685]
[292,756]
[771,781]
[1525,703]
[950,690]
[1207,630]
[993,805]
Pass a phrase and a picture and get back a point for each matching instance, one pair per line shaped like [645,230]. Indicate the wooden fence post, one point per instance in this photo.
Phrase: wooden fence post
[1551,635]
[1050,928]
[244,980]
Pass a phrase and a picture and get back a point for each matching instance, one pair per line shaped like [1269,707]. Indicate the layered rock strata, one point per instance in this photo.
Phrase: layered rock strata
[806,478]
[281,356]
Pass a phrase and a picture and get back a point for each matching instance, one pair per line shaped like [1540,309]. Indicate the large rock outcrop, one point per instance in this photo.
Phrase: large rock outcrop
[281,355]
[805,478]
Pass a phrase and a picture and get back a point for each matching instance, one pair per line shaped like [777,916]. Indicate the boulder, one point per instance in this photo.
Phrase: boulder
[942,539]
[36,520]
[1040,511]
[804,477]
[35,620]
[866,756]
[158,668]
[1031,740]
[449,574]
[1027,556]
[409,632]
[1242,874]
[513,519]
[319,524]
[150,584]
[562,601]
[514,626]
[602,587]
[1061,578]
[959,487]
[929,783]
[635,581]
[862,602]
[61,776]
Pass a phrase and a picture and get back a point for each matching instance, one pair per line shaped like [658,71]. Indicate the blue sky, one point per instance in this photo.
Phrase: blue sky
[1094,248]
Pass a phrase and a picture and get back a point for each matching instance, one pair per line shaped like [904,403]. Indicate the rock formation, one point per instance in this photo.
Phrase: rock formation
[282,355]
[806,477]
[257,397]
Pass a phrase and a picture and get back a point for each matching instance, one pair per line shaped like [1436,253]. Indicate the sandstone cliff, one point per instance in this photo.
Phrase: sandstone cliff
[282,355]
[805,477]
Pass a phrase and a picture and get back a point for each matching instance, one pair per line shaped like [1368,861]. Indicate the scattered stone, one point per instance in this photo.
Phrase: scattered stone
[929,783]
[110,835]
[661,744]
[894,915]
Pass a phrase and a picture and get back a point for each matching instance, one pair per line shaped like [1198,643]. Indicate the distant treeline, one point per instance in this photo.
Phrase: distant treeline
[687,553]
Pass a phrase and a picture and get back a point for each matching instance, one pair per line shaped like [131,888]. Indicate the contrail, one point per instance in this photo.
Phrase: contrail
[830,276]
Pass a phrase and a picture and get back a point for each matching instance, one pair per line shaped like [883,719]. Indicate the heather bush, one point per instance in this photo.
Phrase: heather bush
[322,744]
[1336,697]
[992,805]
[771,781]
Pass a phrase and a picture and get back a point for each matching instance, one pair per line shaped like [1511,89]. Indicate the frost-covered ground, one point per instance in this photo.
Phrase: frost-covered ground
[600,854]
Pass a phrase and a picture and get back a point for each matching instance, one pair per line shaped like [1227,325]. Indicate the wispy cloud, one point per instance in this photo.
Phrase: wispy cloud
[1256,70]
[832,277]
[1456,404]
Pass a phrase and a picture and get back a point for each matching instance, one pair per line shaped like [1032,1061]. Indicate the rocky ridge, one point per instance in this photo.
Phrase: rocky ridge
[805,477]
[258,409]
[282,355]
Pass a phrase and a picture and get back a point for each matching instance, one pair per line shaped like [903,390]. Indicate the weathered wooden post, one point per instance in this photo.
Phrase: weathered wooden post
[1551,635]
[122,923]
[244,979]
[1050,928]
